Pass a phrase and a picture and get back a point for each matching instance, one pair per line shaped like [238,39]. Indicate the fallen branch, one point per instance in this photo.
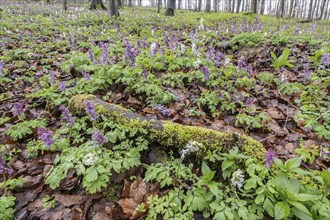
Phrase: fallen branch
[170,134]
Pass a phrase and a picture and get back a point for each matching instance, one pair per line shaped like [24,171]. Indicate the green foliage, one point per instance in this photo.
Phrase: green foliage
[282,60]
[6,207]
[48,202]
[23,129]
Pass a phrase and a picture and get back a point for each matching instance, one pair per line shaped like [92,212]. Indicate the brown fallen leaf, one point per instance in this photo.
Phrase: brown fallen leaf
[128,205]
[69,200]
[138,190]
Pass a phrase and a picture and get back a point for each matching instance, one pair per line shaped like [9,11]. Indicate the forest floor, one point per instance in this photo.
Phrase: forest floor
[253,75]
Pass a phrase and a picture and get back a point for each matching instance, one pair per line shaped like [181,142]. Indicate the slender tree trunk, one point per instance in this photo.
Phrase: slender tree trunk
[179,4]
[208,6]
[159,5]
[263,5]
[65,7]
[129,3]
[120,3]
[290,8]
[215,5]
[322,9]
[229,5]
[170,8]
[314,7]
[113,8]
[254,4]
[310,10]
[243,5]
[238,5]
[199,5]
[326,10]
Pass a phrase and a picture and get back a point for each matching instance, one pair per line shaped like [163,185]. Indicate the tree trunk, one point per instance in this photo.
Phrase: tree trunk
[199,5]
[65,6]
[254,4]
[215,5]
[322,9]
[170,134]
[290,8]
[179,4]
[158,5]
[262,10]
[170,8]
[208,6]
[238,5]
[326,11]
[310,10]
[130,3]
[95,3]
[113,8]
[120,3]
[229,6]
[48,1]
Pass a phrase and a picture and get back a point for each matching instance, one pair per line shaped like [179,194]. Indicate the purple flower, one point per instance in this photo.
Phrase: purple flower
[52,78]
[130,53]
[211,53]
[86,75]
[18,108]
[46,136]
[297,31]
[249,101]
[313,27]
[66,115]
[270,156]
[307,72]
[165,39]
[98,138]
[3,168]
[325,59]
[144,72]
[62,86]
[206,72]
[250,70]
[90,110]
[163,110]
[105,55]
[241,63]
[91,56]
[2,65]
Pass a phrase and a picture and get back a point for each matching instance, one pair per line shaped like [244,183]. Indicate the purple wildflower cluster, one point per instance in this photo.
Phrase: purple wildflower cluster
[130,53]
[2,65]
[46,136]
[206,72]
[86,75]
[3,168]
[163,110]
[325,59]
[270,157]
[18,108]
[67,116]
[91,56]
[105,55]
[98,138]
[52,77]
[72,41]
[307,72]
[62,86]
[90,110]
[241,64]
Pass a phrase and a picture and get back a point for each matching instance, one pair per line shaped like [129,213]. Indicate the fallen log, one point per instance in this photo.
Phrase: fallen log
[171,134]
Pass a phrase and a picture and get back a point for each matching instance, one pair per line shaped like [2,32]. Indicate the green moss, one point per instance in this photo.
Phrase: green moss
[112,192]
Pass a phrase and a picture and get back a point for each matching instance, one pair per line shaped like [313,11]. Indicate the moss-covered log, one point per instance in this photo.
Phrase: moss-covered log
[170,134]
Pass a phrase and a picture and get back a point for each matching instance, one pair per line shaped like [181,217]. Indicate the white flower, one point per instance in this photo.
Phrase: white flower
[182,48]
[237,178]
[197,63]
[201,26]
[153,46]
[192,146]
[90,159]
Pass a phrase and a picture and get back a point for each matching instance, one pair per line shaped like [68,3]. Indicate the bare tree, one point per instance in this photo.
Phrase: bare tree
[290,8]
[65,6]
[229,3]
[179,4]
[254,4]
[215,5]
[238,5]
[199,5]
[159,5]
[113,8]
[130,3]
[170,8]
[97,2]
[322,9]
[310,10]
[208,6]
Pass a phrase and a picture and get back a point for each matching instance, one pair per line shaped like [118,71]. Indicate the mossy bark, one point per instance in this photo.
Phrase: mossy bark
[170,134]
